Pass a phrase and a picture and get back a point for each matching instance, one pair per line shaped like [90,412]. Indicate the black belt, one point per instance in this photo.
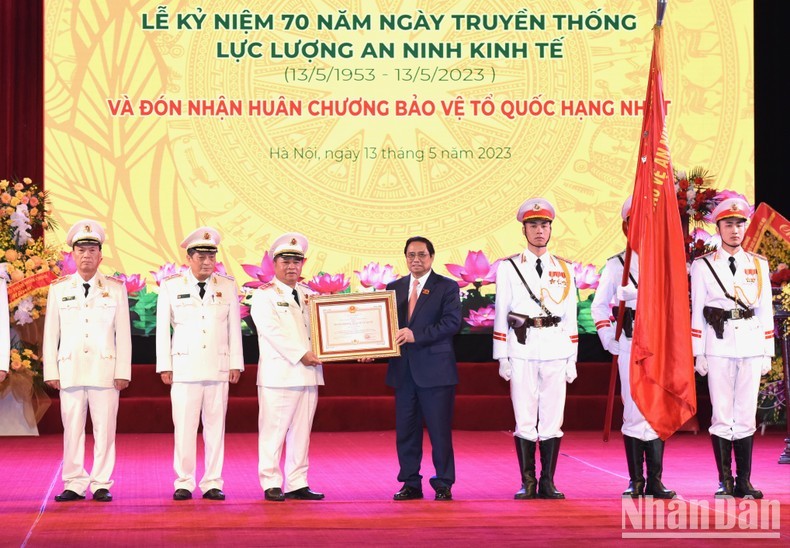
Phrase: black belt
[543,321]
[734,314]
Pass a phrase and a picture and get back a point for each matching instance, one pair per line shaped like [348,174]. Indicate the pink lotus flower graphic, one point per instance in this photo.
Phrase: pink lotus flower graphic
[167,270]
[134,282]
[262,274]
[244,309]
[482,317]
[327,284]
[587,276]
[219,268]
[376,276]
[476,270]
[67,264]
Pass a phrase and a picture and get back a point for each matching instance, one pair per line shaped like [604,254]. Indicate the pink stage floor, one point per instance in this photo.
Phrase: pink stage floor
[357,472]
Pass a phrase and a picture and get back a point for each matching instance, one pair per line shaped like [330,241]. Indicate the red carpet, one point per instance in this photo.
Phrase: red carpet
[357,472]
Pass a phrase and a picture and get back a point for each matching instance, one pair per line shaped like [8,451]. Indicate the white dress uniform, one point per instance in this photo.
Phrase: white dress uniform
[634,423]
[205,345]
[537,387]
[287,389]
[87,345]
[734,361]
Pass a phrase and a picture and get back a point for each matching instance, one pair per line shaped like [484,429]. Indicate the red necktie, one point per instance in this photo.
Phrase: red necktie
[413,297]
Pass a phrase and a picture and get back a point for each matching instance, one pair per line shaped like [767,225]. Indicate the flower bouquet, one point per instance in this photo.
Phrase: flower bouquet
[29,263]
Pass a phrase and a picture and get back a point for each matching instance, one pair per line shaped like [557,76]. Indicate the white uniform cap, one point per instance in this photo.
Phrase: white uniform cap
[626,211]
[86,231]
[731,207]
[204,239]
[290,244]
[535,208]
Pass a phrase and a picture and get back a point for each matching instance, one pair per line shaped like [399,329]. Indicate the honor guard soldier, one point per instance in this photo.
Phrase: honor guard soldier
[203,354]
[289,374]
[535,341]
[641,441]
[87,355]
[732,334]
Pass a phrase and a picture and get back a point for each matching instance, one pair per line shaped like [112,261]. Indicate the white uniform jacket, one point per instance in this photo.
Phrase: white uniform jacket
[556,289]
[206,339]
[87,340]
[606,297]
[283,336]
[743,338]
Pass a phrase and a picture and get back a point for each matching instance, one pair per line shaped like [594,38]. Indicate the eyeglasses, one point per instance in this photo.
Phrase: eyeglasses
[421,255]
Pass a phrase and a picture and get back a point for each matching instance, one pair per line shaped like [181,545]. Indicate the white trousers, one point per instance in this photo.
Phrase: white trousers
[537,390]
[634,423]
[74,405]
[285,415]
[192,401]
[734,384]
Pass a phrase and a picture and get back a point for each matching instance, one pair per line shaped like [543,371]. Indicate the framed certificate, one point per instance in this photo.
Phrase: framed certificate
[354,325]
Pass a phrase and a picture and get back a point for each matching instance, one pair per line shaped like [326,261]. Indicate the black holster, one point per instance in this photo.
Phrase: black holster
[518,322]
[628,320]
[715,318]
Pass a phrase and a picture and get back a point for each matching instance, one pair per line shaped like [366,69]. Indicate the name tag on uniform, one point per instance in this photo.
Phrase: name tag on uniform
[283,304]
[184,296]
[69,298]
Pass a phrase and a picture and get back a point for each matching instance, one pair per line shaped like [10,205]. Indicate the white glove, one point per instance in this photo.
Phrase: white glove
[614,347]
[626,292]
[701,365]
[766,365]
[505,369]
[570,371]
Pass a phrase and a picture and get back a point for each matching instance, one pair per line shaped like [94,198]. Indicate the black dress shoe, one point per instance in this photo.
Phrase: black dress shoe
[67,496]
[182,494]
[443,493]
[214,494]
[102,495]
[408,493]
[274,494]
[305,493]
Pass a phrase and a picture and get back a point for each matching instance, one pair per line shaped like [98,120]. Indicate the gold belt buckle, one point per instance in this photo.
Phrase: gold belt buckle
[538,322]
[736,314]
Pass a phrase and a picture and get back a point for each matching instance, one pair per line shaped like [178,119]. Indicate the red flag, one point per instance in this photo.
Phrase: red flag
[662,366]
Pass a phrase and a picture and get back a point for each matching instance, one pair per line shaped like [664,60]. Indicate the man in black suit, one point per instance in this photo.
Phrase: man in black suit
[425,374]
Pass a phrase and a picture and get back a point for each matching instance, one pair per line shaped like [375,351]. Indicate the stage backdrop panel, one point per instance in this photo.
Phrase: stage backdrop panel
[363,123]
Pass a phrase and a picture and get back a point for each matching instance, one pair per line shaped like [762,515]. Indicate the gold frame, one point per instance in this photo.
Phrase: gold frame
[319,304]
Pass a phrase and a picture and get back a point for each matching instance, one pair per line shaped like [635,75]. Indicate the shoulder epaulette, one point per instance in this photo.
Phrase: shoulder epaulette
[226,276]
[267,285]
[563,259]
[757,255]
[114,279]
[58,280]
[705,255]
[615,256]
[176,275]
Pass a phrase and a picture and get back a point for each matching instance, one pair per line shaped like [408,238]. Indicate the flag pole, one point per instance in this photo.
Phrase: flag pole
[661,7]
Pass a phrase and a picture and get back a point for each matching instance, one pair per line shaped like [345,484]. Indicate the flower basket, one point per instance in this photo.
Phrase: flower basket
[31,333]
